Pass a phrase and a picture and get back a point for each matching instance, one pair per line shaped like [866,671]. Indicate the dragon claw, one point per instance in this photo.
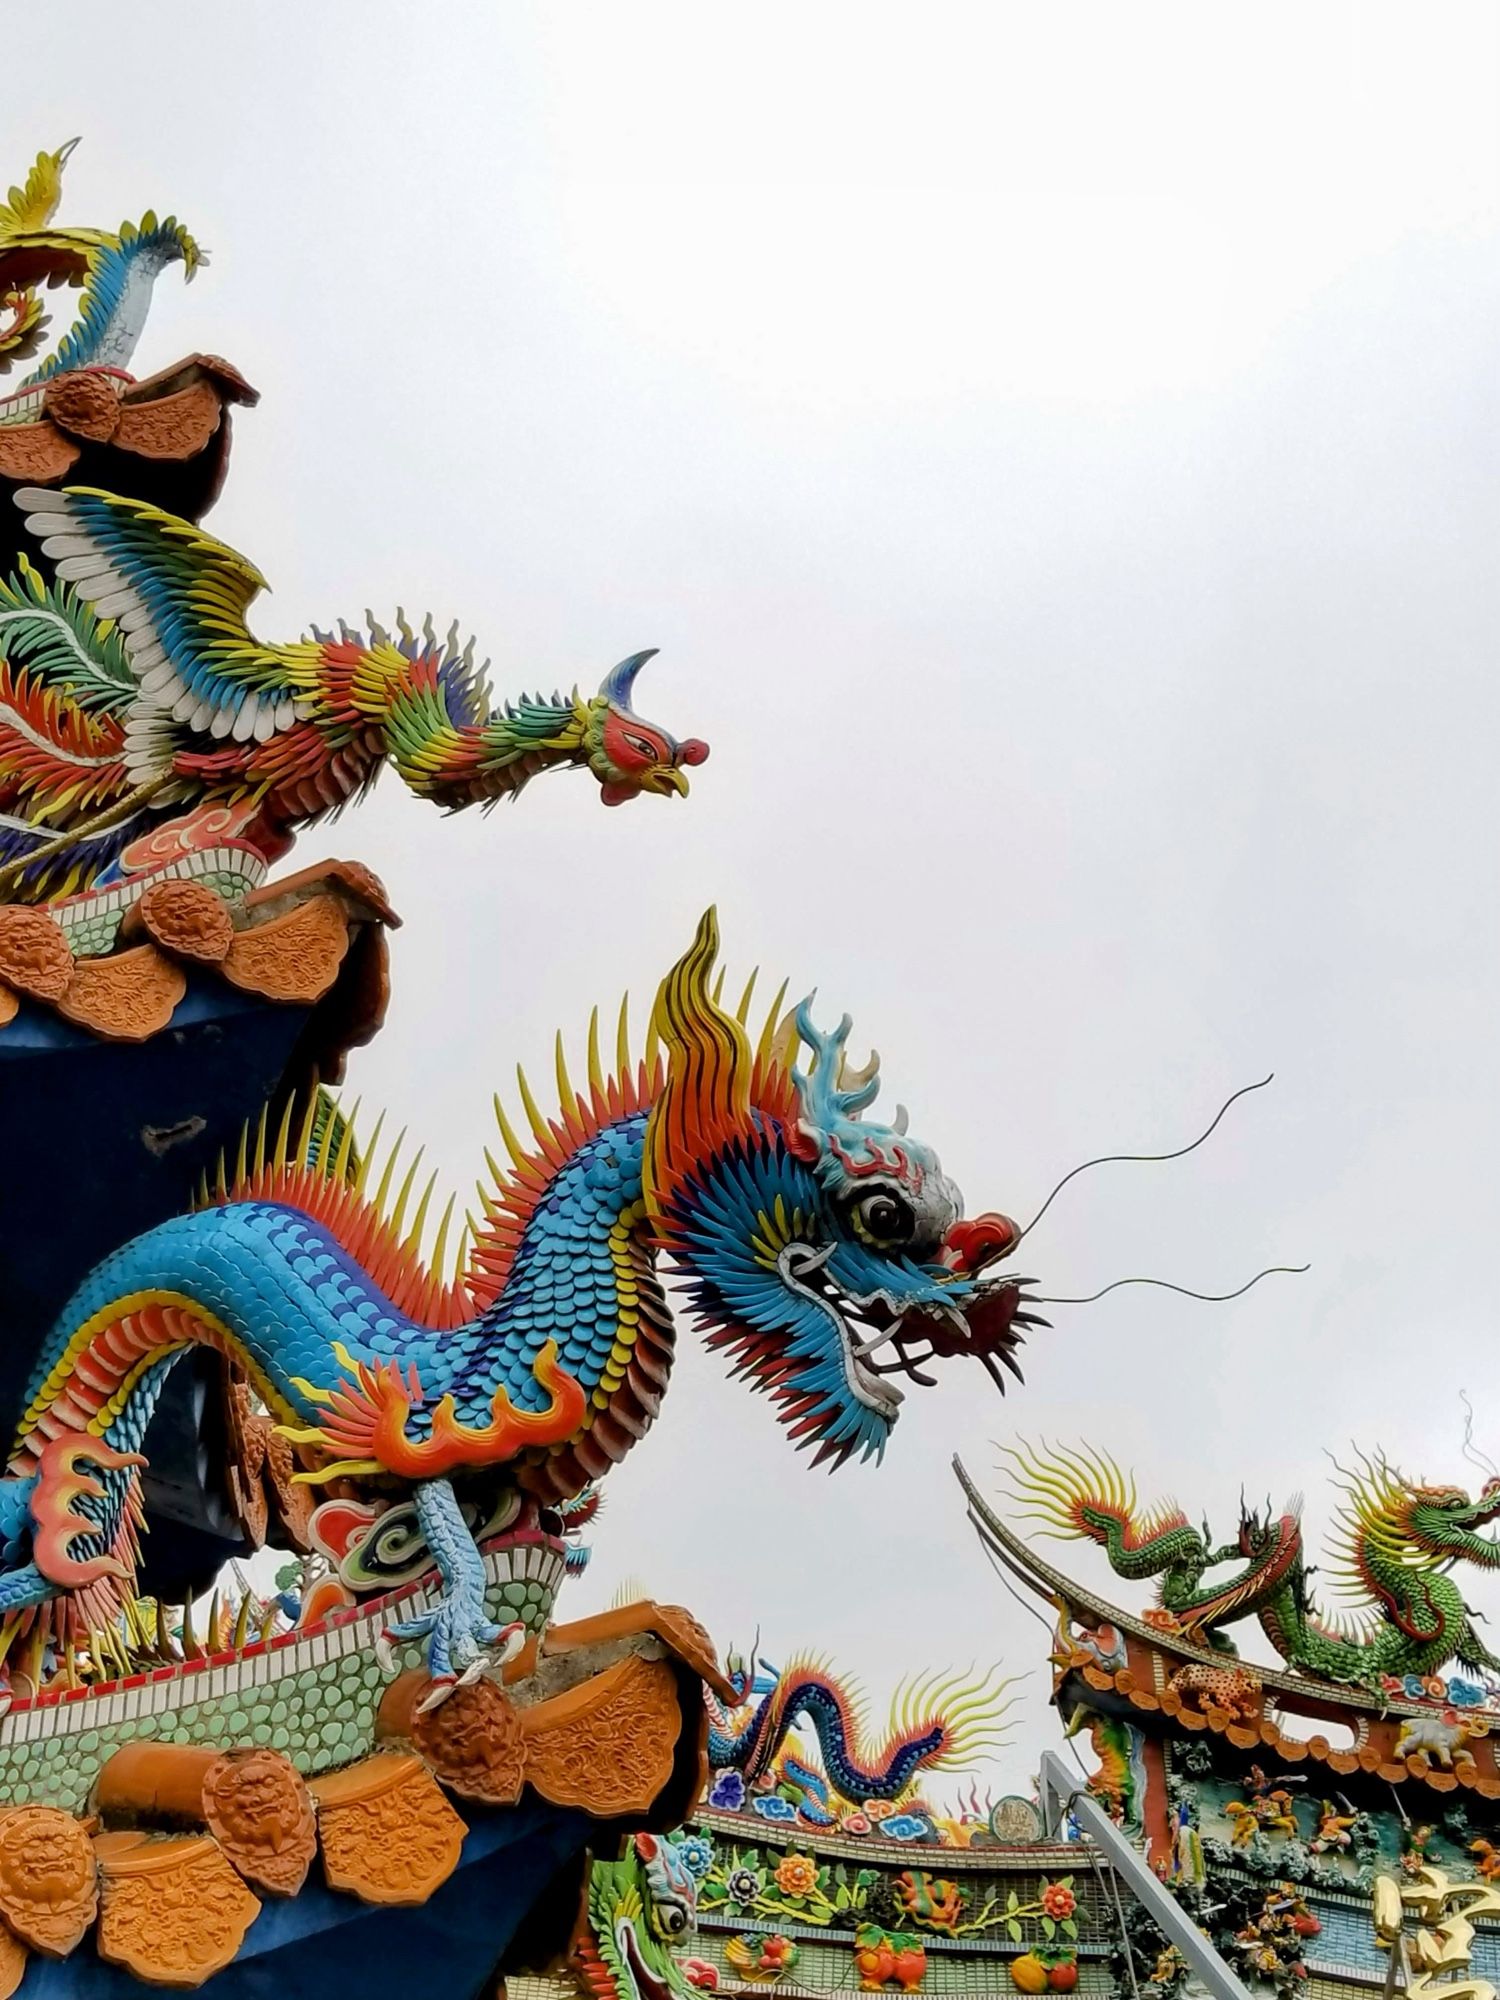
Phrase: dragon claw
[459,1647]
[462,1642]
[511,1638]
[442,1686]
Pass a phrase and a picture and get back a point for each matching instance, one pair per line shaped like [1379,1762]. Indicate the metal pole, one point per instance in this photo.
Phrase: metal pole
[1060,1790]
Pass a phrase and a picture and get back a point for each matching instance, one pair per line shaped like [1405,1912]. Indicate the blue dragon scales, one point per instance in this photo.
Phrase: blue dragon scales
[823,1251]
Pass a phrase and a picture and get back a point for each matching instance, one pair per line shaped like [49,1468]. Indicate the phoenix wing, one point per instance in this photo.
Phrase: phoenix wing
[31,253]
[33,204]
[179,599]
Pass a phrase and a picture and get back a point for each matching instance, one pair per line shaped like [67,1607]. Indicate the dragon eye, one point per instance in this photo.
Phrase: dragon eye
[884,1217]
[674,1919]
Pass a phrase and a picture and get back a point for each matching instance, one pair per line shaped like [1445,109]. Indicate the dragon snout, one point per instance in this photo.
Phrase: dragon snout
[978,1240]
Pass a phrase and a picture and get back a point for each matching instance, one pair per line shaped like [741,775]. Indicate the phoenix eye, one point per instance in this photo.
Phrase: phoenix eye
[641,747]
[884,1217]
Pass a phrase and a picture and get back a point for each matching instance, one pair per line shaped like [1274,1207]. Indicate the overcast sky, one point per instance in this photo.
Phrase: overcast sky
[1054,449]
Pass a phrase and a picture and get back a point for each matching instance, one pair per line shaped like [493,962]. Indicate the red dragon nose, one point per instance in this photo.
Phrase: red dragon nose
[693,751]
[976,1240]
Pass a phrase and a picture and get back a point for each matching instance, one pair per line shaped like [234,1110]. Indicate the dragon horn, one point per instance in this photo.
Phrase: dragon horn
[618,682]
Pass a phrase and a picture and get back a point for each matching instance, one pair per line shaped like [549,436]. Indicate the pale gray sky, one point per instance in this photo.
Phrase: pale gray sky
[1054,449]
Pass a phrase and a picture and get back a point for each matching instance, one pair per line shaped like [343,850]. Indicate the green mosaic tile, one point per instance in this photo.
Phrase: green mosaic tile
[322,1717]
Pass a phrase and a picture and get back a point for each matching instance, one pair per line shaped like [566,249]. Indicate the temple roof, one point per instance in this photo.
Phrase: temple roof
[164,439]
[124,1078]
[1115,1660]
[287,941]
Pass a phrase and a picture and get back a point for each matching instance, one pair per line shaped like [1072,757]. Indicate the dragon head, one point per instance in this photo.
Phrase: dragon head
[824,1250]
[1385,1515]
[627,754]
[637,1909]
[1443,1521]
[576,1515]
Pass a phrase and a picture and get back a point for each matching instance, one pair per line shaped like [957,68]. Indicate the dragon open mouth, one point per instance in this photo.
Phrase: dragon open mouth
[987,1324]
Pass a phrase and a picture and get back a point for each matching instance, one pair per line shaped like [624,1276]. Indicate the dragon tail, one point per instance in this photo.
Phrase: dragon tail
[1081,1494]
[947,1721]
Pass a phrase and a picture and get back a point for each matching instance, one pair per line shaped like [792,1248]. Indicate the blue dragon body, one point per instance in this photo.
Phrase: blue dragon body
[818,1699]
[931,1729]
[811,1241]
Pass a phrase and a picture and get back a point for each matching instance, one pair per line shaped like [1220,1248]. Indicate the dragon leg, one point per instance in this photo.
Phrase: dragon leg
[459,1636]
[15,1521]
[1471,1652]
[812,1788]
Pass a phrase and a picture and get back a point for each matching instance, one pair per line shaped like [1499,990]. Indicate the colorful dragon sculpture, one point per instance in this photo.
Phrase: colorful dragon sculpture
[142,722]
[114,270]
[635,1911]
[811,1242]
[1120,1779]
[1395,1541]
[937,1723]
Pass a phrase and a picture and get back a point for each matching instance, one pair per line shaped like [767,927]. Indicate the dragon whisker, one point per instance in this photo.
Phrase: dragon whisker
[1186,1291]
[1144,1159]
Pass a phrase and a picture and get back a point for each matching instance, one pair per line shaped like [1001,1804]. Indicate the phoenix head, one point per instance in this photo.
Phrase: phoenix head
[627,754]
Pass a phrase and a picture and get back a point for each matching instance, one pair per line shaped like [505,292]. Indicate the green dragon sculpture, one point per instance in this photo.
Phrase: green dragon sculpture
[637,1912]
[1119,1782]
[826,1252]
[1395,1541]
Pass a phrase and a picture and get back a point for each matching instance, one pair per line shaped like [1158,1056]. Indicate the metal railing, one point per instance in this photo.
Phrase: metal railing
[1063,1795]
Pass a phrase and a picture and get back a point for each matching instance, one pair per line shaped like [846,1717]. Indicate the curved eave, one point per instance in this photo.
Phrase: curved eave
[1302,1696]
[165,439]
